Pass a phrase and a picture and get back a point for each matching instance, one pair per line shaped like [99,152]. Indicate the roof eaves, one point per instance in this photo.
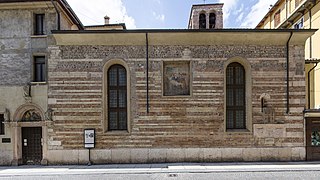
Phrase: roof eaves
[269,12]
[312,61]
[15,1]
[64,4]
[107,25]
[186,31]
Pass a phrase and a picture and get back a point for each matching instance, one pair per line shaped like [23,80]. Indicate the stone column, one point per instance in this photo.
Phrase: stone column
[16,142]
[44,142]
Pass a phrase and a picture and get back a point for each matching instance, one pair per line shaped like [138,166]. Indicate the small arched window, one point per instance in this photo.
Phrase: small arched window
[117,98]
[202,21]
[236,91]
[212,20]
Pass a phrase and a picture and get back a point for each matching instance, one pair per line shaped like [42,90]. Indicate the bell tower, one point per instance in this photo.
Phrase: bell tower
[206,16]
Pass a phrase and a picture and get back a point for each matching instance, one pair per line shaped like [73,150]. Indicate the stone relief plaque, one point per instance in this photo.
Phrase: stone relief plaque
[176,78]
[31,115]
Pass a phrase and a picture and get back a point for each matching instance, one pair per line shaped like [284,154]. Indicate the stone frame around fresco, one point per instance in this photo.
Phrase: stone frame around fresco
[176,78]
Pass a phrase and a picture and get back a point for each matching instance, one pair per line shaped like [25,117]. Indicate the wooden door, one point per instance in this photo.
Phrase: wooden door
[313,139]
[31,145]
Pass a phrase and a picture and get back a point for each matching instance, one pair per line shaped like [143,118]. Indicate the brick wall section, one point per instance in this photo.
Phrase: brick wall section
[75,95]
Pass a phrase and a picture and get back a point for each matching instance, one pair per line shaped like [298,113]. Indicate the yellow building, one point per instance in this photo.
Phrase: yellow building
[302,14]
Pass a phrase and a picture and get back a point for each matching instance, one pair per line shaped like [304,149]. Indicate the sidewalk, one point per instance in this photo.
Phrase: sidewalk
[160,168]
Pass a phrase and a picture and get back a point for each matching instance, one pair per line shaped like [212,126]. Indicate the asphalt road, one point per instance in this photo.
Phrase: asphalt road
[178,171]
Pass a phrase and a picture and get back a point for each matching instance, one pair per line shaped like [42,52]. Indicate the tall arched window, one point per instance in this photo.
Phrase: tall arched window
[117,98]
[236,91]
[202,21]
[212,20]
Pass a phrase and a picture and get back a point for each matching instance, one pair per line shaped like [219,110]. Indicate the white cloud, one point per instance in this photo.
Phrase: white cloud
[158,1]
[257,12]
[228,8]
[239,10]
[159,17]
[239,13]
[92,12]
[240,17]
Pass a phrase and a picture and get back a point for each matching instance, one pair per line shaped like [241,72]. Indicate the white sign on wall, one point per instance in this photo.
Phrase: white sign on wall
[89,138]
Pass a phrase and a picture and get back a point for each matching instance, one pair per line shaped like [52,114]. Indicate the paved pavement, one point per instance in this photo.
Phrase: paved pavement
[286,170]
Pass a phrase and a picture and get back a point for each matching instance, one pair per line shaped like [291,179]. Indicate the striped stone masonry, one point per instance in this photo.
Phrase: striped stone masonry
[75,93]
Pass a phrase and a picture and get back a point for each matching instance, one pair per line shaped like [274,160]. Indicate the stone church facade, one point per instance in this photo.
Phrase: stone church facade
[192,95]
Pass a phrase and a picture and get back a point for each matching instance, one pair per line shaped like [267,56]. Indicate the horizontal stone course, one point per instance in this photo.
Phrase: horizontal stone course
[135,52]
[162,155]
[184,123]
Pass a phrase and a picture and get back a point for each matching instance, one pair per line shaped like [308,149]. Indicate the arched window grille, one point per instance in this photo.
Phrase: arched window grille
[236,91]
[117,98]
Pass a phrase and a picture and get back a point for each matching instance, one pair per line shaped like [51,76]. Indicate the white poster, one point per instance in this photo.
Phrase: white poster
[89,138]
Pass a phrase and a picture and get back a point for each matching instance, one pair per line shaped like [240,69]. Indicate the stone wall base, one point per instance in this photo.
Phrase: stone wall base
[105,156]
[5,157]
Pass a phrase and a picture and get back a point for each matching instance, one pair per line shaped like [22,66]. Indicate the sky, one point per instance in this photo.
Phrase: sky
[166,14]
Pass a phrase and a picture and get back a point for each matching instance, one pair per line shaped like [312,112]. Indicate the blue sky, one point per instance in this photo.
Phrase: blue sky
[166,14]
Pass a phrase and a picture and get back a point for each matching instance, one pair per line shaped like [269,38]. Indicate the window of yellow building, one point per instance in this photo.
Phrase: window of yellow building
[299,24]
[277,18]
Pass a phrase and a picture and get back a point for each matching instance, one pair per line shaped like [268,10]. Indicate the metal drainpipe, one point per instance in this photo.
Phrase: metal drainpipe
[286,9]
[309,88]
[310,24]
[147,69]
[291,33]
[58,13]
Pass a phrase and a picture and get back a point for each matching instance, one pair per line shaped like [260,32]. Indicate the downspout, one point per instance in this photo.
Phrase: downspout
[58,13]
[310,27]
[291,33]
[309,88]
[147,69]
[287,9]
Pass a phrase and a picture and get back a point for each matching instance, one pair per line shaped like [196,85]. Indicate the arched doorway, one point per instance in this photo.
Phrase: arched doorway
[29,129]
[31,138]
